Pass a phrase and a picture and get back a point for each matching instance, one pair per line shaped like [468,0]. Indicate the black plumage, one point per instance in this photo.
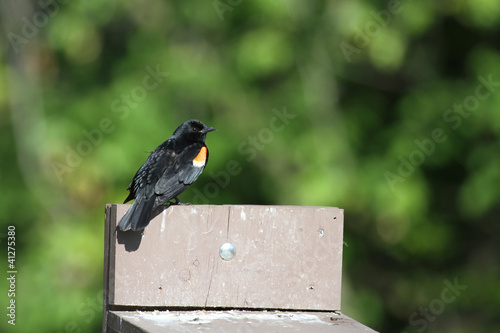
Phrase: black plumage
[168,171]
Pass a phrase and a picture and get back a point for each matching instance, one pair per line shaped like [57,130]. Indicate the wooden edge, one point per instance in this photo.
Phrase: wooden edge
[234,321]
[109,262]
[118,324]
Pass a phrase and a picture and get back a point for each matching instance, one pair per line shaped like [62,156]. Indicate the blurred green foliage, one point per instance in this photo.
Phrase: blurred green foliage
[367,84]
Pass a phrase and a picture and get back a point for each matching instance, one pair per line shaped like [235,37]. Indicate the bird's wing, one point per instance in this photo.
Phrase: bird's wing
[196,159]
[184,173]
[146,178]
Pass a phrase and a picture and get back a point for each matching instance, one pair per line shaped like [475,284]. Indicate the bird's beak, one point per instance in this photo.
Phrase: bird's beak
[208,129]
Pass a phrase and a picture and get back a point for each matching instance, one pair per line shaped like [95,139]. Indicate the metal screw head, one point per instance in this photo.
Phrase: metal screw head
[227,251]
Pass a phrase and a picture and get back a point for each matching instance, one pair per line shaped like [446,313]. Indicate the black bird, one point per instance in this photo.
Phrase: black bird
[168,171]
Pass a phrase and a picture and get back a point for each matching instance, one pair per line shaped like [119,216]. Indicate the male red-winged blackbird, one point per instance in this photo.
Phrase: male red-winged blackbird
[168,171]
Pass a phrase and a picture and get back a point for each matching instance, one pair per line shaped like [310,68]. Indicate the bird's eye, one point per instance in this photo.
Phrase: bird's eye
[195,129]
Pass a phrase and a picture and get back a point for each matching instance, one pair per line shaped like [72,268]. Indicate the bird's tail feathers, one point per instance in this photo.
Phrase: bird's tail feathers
[138,216]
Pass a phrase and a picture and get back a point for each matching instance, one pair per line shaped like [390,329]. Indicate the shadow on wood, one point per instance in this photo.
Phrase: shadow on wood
[131,240]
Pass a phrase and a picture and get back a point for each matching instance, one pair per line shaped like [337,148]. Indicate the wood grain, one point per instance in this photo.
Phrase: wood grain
[287,257]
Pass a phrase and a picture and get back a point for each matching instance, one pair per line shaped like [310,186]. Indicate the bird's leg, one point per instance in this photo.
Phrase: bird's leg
[176,202]
[171,202]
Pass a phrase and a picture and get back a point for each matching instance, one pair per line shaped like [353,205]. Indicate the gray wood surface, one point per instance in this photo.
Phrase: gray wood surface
[234,321]
[287,257]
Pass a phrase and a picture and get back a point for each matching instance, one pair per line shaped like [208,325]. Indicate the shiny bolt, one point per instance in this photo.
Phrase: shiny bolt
[227,251]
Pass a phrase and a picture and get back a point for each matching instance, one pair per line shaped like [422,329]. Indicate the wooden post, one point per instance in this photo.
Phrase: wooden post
[287,258]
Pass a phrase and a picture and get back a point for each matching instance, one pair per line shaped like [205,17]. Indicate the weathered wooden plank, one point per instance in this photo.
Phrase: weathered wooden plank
[234,321]
[287,257]
[282,259]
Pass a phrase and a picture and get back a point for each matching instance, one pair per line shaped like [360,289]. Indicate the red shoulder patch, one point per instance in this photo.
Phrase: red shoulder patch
[201,158]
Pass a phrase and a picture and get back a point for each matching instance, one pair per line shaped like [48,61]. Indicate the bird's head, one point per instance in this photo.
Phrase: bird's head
[193,131]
